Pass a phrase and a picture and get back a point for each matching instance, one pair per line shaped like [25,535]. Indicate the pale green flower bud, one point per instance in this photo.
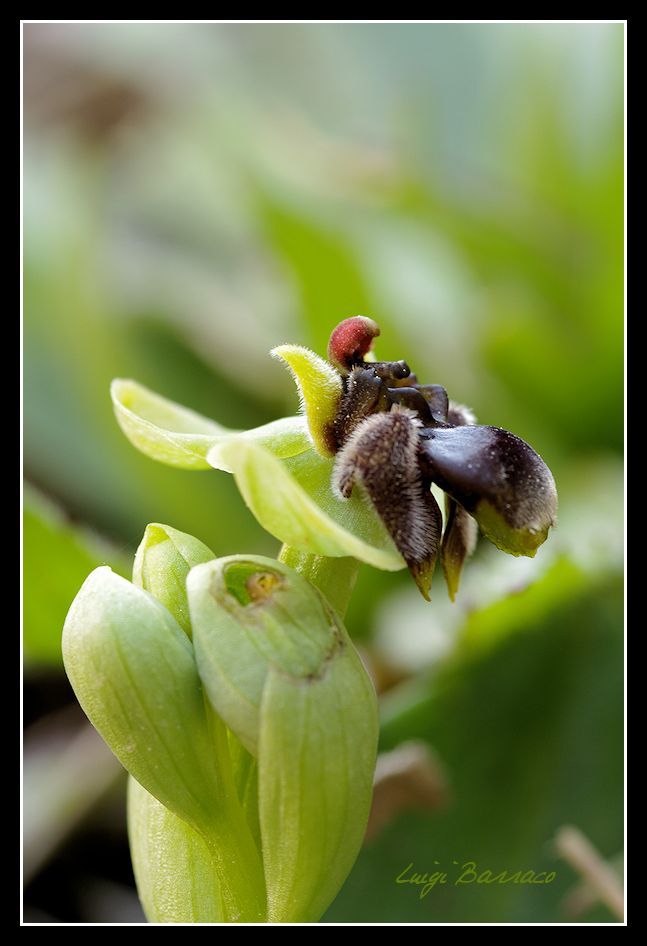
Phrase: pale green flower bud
[176,876]
[280,669]
[133,671]
[162,563]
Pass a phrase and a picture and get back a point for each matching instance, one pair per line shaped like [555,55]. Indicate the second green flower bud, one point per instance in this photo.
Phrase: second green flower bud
[281,671]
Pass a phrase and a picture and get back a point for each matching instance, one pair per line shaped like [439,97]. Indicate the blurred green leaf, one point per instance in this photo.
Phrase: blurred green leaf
[57,559]
[529,725]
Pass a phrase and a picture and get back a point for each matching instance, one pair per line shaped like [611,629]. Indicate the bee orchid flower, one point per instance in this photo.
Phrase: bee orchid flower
[351,475]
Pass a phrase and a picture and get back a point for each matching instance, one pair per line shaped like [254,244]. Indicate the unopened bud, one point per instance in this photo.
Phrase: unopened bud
[280,669]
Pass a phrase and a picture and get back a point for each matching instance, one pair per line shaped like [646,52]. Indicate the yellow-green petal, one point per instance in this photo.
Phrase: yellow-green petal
[294,501]
[178,436]
[162,429]
[320,387]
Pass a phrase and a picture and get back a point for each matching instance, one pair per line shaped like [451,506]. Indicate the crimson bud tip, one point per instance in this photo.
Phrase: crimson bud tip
[350,341]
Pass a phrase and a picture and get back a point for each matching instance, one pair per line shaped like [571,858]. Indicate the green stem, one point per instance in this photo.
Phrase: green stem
[334,577]
[230,841]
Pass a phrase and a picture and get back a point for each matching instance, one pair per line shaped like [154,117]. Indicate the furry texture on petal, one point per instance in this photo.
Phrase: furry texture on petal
[496,477]
[382,455]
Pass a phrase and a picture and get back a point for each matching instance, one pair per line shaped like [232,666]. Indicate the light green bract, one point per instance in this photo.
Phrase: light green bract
[283,478]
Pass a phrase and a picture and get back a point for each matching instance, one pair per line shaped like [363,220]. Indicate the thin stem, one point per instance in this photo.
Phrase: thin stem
[334,577]
[230,841]
[578,851]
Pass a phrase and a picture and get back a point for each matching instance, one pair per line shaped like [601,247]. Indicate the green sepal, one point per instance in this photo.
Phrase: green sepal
[177,436]
[320,388]
[294,501]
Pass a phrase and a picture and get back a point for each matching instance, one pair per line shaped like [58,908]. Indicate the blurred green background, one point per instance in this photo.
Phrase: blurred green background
[195,194]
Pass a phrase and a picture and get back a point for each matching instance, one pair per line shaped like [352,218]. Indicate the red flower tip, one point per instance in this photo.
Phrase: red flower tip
[351,341]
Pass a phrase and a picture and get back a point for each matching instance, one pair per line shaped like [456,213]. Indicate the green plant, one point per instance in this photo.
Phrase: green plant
[229,688]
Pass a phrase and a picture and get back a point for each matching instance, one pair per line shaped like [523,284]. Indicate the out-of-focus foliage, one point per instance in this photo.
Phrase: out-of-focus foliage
[530,728]
[196,194]
[56,558]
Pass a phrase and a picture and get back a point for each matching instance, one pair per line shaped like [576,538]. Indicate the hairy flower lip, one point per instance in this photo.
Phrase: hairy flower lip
[486,472]
[496,477]
[381,454]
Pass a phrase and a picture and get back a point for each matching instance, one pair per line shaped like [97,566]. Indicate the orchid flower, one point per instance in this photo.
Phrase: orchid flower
[350,475]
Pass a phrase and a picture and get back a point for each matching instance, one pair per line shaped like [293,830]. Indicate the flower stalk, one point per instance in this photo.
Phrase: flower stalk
[334,577]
